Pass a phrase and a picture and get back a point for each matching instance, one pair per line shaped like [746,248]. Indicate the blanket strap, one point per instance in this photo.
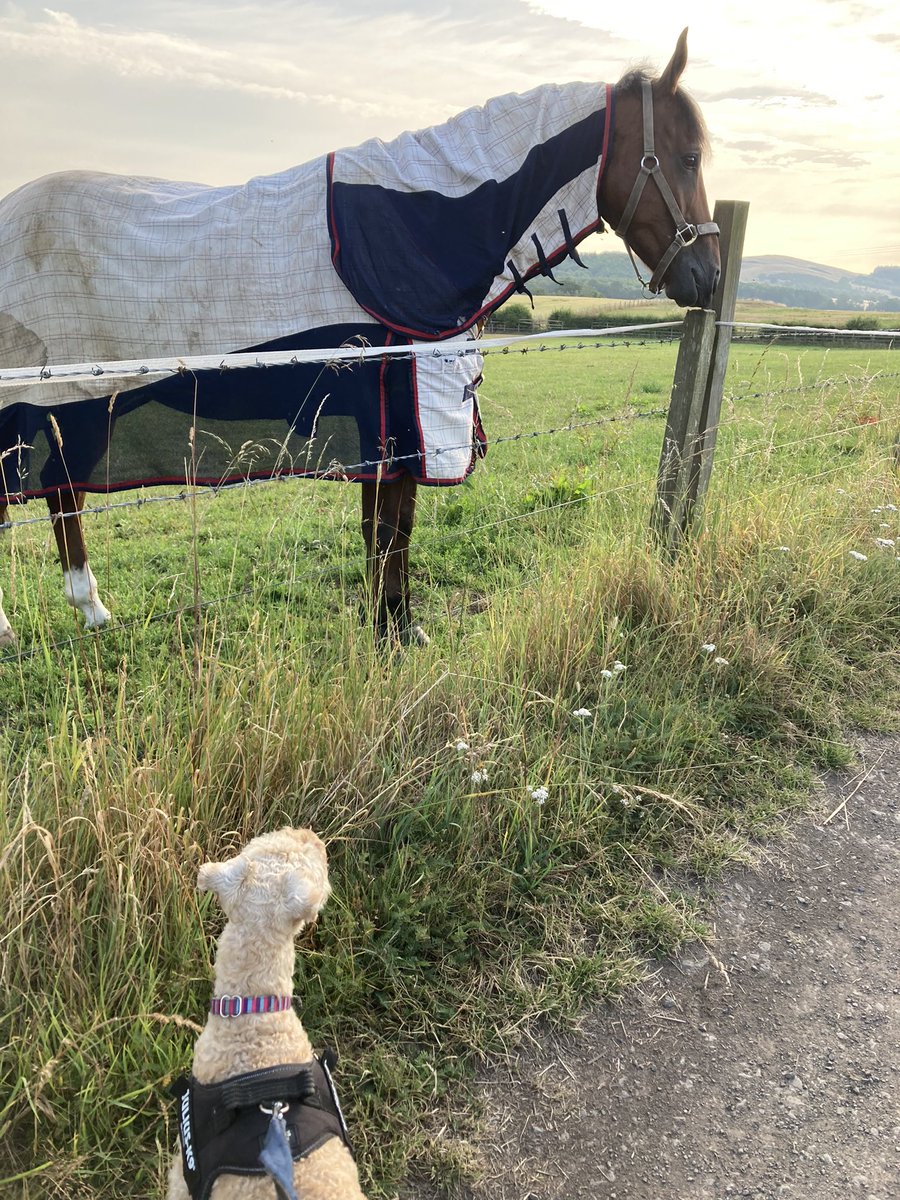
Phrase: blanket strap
[518,281]
[542,260]
[571,248]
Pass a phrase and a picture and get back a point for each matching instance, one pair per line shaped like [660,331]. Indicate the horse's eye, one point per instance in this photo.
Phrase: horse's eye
[691,161]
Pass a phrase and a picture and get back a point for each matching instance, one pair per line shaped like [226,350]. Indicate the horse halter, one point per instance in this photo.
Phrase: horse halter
[685,233]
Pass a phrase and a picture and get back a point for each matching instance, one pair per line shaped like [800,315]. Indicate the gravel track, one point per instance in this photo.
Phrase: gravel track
[764,1063]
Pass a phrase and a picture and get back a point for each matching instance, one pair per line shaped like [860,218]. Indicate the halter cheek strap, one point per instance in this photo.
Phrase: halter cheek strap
[685,232]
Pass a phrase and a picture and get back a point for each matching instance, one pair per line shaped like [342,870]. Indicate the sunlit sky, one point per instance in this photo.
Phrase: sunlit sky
[802,97]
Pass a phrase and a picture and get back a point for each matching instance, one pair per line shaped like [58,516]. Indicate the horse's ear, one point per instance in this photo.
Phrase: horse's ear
[668,81]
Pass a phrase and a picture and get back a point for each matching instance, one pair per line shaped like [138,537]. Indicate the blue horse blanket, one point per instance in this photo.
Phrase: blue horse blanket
[415,239]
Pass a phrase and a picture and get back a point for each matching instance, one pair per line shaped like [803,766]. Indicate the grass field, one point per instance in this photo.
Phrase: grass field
[757,311]
[465,910]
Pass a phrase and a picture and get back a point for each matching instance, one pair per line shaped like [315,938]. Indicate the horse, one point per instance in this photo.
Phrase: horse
[384,245]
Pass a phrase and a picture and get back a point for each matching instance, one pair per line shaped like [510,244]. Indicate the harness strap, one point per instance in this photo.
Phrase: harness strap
[223,1126]
[246,1090]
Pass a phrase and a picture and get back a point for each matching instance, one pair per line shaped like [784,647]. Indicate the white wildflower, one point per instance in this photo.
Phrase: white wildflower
[720,662]
[859,557]
[841,492]
[540,795]
[582,714]
[606,674]
[890,508]
[708,647]
[885,543]
[875,511]
[479,776]
[619,667]
[785,549]
[461,747]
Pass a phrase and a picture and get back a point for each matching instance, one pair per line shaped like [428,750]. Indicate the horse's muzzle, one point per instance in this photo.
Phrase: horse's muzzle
[694,275]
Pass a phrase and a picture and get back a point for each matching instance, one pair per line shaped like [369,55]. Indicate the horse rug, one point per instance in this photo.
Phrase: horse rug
[386,244]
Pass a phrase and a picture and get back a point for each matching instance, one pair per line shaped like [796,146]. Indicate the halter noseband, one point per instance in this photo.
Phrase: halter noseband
[685,233]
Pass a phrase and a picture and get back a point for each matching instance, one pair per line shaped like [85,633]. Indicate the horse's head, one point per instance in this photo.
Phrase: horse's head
[652,190]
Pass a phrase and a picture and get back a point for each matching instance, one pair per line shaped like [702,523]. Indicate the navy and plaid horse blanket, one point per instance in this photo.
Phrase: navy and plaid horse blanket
[419,238]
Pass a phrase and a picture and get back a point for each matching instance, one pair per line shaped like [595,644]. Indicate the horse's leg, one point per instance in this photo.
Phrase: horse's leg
[80,584]
[410,631]
[388,516]
[7,637]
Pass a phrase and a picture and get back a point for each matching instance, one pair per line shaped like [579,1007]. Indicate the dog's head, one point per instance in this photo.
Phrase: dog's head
[279,880]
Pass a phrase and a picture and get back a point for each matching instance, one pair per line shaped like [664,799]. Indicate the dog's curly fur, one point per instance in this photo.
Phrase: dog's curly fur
[275,886]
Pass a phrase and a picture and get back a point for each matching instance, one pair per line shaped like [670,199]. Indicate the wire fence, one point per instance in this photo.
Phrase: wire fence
[534,344]
[137,369]
[358,563]
[577,341]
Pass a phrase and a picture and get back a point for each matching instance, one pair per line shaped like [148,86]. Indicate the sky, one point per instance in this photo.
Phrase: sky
[802,97]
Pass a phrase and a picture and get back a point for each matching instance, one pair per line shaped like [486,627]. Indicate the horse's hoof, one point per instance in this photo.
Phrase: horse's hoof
[96,616]
[416,636]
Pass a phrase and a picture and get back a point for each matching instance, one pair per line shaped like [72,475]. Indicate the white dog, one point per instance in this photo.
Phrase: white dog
[259,1116]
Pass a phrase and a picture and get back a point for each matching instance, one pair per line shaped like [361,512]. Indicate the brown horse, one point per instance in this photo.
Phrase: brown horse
[650,192]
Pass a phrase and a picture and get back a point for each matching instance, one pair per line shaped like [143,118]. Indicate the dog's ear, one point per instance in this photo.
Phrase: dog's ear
[305,892]
[223,878]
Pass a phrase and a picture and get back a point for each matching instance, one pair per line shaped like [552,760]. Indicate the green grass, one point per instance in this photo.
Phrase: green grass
[463,912]
[758,311]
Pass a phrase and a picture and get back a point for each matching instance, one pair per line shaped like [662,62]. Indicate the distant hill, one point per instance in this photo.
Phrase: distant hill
[779,279]
[798,283]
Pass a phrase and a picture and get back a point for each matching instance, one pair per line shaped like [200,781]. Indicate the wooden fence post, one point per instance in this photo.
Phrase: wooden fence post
[689,445]
[683,426]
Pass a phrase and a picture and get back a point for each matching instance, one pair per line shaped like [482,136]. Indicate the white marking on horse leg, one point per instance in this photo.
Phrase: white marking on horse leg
[81,593]
[7,637]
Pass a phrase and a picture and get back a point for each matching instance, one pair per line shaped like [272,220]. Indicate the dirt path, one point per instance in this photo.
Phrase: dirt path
[771,1070]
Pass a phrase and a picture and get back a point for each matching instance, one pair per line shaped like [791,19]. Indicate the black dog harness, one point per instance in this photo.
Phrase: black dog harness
[224,1126]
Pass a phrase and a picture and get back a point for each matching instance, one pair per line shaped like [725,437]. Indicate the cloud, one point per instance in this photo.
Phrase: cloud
[822,157]
[750,146]
[162,57]
[768,94]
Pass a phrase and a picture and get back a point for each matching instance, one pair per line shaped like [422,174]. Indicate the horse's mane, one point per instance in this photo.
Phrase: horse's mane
[630,84]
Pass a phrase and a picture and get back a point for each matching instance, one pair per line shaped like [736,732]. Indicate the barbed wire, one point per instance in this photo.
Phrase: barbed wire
[341,471]
[336,472]
[349,354]
[818,385]
[359,562]
[768,446]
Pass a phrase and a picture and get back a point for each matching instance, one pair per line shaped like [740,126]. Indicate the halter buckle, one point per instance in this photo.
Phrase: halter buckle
[686,235]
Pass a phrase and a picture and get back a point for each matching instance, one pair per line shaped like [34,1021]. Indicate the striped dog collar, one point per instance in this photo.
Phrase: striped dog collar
[240,1006]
